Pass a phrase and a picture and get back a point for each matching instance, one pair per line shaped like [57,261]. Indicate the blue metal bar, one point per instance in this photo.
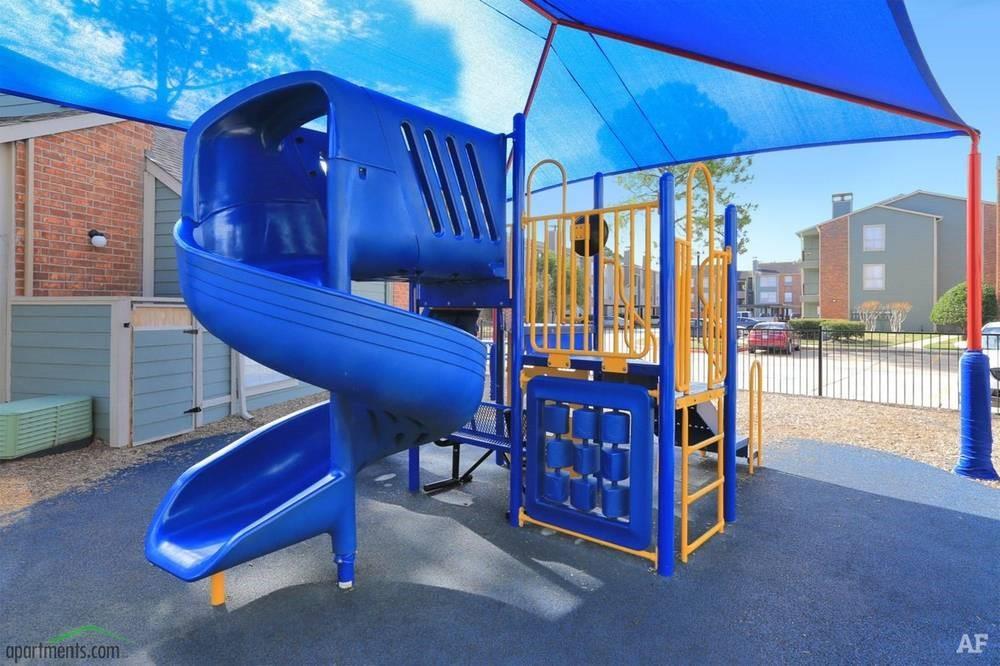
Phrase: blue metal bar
[516,323]
[413,476]
[500,369]
[729,411]
[598,203]
[667,413]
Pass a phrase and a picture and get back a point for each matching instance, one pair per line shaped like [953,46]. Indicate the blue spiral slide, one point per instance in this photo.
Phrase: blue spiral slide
[277,219]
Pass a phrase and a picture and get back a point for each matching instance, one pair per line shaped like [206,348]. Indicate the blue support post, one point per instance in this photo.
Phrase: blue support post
[413,471]
[667,412]
[732,371]
[338,271]
[500,370]
[516,325]
[598,275]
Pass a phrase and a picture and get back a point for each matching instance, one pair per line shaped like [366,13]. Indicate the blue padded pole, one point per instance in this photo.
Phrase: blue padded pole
[516,321]
[729,406]
[668,325]
[598,203]
[413,476]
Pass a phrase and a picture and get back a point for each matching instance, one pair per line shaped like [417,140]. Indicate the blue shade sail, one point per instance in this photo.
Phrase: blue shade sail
[602,103]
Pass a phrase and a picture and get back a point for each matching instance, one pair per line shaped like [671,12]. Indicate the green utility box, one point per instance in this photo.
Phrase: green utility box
[36,424]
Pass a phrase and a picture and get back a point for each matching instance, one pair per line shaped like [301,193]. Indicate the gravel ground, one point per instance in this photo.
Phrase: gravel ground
[28,480]
[926,435]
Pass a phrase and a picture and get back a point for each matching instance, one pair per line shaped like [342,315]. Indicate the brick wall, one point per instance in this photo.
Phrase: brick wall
[795,287]
[834,285]
[400,295]
[86,179]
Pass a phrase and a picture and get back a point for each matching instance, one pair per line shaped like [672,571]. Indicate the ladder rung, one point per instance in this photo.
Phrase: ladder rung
[711,532]
[692,448]
[704,490]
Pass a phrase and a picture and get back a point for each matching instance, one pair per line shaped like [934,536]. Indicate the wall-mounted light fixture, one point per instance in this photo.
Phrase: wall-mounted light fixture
[97,238]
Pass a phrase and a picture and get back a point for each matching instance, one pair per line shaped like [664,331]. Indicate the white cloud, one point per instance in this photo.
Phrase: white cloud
[52,33]
[311,22]
[496,65]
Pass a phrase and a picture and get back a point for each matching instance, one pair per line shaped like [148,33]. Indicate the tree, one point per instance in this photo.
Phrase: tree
[951,310]
[869,312]
[898,310]
[727,175]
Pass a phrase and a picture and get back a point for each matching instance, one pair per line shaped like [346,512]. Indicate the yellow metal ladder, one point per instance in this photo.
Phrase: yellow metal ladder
[688,497]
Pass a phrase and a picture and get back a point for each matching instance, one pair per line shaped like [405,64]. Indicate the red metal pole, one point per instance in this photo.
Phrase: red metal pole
[537,79]
[974,248]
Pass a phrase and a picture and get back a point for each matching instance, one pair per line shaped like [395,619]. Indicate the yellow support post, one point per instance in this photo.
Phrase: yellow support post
[217,588]
[755,415]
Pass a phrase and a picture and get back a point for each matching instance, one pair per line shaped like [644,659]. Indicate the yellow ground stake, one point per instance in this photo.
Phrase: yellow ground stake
[217,589]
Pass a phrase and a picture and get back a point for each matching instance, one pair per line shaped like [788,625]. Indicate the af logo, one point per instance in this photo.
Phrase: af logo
[972,644]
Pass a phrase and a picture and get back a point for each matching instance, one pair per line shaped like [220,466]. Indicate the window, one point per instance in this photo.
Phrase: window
[788,297]
[768,281]
[259,378]
[873,237]
[768,297]
[787,279]
[873,277]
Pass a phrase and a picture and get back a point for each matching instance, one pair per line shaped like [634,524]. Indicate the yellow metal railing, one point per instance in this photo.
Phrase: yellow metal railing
[711,286]
[684,404]
[755,415]
[561,275]
[682,337]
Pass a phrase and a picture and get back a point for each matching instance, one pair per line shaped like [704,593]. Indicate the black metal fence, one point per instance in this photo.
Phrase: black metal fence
[912,369]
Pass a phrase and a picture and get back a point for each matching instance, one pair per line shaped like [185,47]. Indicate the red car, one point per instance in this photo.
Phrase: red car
[773,335]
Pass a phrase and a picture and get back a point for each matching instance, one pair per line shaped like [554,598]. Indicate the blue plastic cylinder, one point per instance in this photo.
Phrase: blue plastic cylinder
[555,418]
[614,464]
[559,453]
[586,458]
[614,501]
[583,493]
[345,569]
[556,486]
[585,424]
[975,405]
[614,428]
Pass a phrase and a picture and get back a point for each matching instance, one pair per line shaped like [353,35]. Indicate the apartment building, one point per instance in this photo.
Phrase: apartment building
[908,248]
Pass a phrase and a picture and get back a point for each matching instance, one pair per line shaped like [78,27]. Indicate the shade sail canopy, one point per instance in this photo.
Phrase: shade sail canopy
[627,84]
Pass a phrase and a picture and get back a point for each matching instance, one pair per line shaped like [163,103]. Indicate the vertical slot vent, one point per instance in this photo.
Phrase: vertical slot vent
[418,169]
[477,174]
[449,202]
[463,185]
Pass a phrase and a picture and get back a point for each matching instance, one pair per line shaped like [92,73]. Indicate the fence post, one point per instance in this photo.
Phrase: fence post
[819,362]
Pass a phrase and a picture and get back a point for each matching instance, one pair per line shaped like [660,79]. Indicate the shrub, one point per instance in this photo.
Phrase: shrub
[844,329]
[950,310]
[806,325]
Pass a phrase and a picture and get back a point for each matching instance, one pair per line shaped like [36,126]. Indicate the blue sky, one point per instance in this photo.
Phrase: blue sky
[960,41]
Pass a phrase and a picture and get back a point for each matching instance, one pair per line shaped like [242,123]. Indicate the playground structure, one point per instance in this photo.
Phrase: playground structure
[267,252]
